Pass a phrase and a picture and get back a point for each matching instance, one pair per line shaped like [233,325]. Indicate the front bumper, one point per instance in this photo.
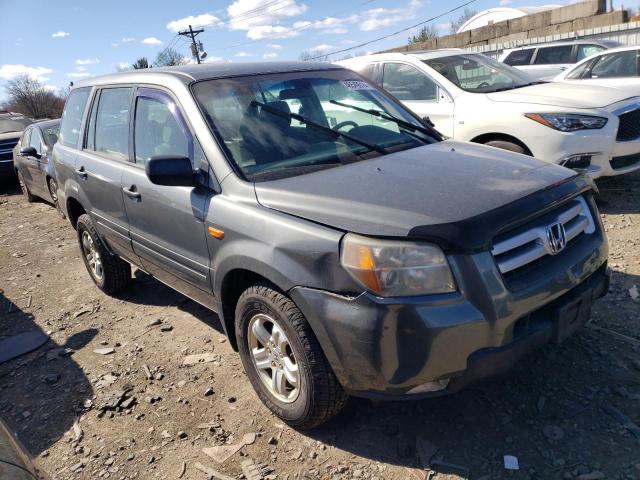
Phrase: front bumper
[386,347]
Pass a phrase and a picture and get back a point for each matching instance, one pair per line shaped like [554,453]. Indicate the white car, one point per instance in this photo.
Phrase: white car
[618,67]
[547,60]
[471,97]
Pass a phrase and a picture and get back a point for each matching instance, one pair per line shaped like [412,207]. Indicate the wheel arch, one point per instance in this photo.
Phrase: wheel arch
[488,137]
[74,210]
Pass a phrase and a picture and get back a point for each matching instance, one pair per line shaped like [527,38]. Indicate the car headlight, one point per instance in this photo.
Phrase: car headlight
[568,122]
[396,268]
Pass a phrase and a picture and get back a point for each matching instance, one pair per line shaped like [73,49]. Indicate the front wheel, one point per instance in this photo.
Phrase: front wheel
[283,359]
[108,272]
[28,196]
[53,191]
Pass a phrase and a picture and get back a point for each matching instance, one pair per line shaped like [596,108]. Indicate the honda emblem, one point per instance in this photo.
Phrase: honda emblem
[557,238]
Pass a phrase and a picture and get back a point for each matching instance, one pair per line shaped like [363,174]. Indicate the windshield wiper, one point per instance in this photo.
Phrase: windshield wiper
[317,126]
[379,114]
[513,87]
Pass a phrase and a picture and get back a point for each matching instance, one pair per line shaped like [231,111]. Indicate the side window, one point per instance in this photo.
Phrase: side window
[585,51]
[159,129]
[408,83]
[112,122]
[72,117]
[519,57]
[25,138]
[579,72]
[35,141]
[615,65]
[553,55]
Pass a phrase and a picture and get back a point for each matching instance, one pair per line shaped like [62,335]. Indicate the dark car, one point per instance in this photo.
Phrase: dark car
[32,161]
[11,127]
[346,247]
[15,462]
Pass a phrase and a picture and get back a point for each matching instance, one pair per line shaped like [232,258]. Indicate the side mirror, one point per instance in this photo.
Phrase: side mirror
[29,152]
[170,170]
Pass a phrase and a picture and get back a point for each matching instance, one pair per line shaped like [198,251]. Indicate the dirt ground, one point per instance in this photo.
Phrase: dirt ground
[564,412]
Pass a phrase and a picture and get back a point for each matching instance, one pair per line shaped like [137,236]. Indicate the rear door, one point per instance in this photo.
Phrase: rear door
[167,222]
[99,166]
[550,61]
[421,94]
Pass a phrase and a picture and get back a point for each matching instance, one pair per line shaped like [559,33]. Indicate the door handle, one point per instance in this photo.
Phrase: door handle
[131,192]
[81,172]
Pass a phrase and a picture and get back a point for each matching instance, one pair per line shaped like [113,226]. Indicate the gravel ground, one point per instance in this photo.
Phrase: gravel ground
[564,412]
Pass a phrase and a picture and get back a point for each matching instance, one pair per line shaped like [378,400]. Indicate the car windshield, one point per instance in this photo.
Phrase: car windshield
[479,74]
[288,124]
[14,124]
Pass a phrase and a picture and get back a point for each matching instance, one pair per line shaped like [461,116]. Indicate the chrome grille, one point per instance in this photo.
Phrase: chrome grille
[629,127]
[533,243]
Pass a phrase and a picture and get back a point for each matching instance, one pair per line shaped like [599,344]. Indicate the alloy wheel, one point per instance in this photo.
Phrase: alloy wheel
[93,256]
[273,357]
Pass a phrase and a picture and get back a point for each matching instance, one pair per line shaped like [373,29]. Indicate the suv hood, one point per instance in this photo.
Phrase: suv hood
[393,194]
[562,95]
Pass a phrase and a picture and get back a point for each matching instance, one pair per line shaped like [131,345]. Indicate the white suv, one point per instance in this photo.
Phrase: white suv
[471,97]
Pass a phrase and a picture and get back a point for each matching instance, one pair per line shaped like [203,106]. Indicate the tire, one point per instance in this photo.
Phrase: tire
[53,191]
[504,145]
[25,190]
[319,395]
[113,273]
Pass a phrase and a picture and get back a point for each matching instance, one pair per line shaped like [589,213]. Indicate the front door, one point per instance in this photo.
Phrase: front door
[167,223]
[99,167]
[36,164]
[418,92]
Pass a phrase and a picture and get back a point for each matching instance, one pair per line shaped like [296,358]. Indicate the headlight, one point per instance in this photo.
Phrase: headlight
[396,268]
[568,122]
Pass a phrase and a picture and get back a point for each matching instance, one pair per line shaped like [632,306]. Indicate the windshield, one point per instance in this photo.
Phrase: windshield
[478,73]
[14,124]
[289,124]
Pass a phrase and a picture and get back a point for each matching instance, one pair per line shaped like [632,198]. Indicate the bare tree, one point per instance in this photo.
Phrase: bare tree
[30,97]
[428,32]
[141,63]
[313,56]
[456,24]
[170,57]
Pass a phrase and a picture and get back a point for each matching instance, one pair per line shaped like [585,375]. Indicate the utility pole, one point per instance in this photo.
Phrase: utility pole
[195,48]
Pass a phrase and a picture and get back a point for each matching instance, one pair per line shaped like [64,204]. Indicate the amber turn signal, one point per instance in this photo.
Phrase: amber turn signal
[216,233]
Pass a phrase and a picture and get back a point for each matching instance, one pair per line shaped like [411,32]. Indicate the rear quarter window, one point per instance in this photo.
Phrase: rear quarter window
[72,117]
[554,55]
[519,57]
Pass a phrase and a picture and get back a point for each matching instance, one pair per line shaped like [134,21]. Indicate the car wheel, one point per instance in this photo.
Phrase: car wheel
[25,190]
[283,359]
[53,191]
[504,145]
[108,272]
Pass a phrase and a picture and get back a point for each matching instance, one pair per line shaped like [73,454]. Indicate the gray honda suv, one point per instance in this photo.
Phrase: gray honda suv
[346,248]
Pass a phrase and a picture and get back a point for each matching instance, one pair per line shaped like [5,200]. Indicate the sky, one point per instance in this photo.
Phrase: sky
[58,41]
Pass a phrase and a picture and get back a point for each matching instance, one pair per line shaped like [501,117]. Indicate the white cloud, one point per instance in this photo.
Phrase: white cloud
[203,20]
[87,61]
[244,54]
[78,74]
[60,34]
[151,41]
[377,18]
[245,14]
[270,55]
[505,2]
[329,25]
[127,39]
[270,31]
[115,44]
[275,46]
[322,48]
[8,72]
[81,68]
[123,66]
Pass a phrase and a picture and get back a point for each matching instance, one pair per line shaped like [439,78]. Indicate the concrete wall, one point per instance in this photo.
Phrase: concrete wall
[564,20]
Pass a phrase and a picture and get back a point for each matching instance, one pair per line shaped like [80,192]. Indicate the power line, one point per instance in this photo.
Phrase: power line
[364,44]
[296,29]
[170,45]
[196,48]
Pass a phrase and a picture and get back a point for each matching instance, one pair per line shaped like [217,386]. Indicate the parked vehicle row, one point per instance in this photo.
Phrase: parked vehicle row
[471,97]
[346,246]
[11,128]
